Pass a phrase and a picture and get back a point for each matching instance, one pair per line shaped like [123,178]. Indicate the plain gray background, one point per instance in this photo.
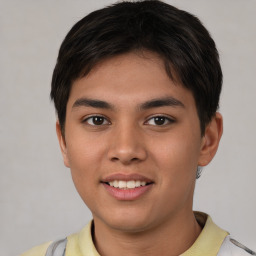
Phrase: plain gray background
[38,200]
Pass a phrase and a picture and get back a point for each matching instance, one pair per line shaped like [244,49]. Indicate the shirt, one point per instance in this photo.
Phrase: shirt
[81,244]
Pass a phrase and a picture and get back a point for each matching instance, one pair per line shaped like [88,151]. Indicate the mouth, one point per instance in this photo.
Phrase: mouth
[130,184]
[127,187]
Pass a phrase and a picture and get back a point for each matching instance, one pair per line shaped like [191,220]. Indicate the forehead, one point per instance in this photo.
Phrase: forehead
[129,78]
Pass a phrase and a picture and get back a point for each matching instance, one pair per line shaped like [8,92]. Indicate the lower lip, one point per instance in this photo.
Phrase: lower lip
[127,194]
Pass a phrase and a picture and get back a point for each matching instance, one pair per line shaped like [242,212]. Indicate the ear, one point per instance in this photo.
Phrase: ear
[211,139]
[62,144]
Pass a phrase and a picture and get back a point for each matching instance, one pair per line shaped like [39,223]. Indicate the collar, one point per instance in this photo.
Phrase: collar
[210,239]
[208,242]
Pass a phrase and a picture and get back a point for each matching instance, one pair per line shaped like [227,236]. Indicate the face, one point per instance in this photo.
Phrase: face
[133,143]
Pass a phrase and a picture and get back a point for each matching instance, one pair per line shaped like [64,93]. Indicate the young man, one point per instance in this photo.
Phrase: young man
[136,89]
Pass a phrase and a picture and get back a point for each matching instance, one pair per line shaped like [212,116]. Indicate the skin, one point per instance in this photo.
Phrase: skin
[131,141]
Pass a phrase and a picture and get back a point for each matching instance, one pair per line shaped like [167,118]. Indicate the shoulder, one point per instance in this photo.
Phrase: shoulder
[231,247]
[76,244]
[38,250]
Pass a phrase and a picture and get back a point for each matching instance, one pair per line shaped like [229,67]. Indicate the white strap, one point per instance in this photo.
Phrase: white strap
[57,248]
[230,247]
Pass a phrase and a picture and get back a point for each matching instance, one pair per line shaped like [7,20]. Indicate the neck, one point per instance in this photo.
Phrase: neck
[172,237]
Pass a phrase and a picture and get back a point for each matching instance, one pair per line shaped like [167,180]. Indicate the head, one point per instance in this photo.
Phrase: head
[136,88]
[177,37]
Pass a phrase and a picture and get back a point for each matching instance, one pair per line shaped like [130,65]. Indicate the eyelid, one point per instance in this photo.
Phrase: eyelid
[167,117]
[170,119]
[86,118]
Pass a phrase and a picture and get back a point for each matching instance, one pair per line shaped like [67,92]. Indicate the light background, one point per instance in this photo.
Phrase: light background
[37,197]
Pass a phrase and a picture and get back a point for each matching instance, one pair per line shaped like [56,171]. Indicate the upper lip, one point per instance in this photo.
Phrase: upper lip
[126,177]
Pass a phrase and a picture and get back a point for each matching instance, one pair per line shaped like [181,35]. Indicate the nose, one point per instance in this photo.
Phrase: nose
[127,145]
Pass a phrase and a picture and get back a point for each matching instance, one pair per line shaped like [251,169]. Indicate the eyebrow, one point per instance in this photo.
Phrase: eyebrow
[154,103]
[161,102]
[85,102]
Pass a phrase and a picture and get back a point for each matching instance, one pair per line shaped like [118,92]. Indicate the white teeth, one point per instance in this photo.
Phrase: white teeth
[130,184]
[137,183]
[127,184]
[116,183]
[122,184]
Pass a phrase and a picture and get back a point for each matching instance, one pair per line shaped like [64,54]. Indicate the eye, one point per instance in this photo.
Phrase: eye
[159,120]
[96,120]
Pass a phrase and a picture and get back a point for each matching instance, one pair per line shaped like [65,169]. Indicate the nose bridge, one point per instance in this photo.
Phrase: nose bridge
[127,144]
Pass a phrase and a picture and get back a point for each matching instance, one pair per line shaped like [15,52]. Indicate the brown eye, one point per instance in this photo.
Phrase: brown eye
[159,121]
[96,120]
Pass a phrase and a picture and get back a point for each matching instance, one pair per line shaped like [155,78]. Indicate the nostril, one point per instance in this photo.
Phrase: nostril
[114,159]
[126,155]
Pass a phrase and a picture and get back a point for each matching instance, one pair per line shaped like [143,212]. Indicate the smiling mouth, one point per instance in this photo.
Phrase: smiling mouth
[127,187]
[131,184]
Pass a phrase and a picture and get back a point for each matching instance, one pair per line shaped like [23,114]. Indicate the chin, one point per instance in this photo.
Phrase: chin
[130,222]
[130,226]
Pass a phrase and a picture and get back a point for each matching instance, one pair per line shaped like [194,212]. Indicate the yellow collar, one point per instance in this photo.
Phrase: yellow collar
[208,243]
[210,239]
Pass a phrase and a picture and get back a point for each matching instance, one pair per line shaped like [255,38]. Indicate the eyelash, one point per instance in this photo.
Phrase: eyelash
[95,116]
[166,119]
[161,117]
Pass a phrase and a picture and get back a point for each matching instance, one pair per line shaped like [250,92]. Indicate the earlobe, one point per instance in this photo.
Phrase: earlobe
[211,139]
[62,144]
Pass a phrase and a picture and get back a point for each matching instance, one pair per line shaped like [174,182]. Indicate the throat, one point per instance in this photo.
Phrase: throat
[164,240]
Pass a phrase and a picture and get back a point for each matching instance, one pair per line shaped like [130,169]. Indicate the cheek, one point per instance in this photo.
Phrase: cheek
[84,167]
[83,161]
[83,150]
[178,154]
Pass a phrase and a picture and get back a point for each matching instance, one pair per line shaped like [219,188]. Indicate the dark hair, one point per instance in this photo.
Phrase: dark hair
[179,38]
